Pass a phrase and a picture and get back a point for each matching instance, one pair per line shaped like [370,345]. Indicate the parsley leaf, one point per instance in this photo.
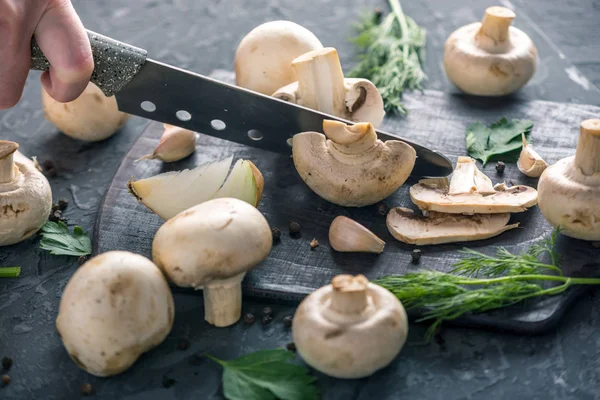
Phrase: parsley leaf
[10,272]
[59,241]
[501,140]
[266,375]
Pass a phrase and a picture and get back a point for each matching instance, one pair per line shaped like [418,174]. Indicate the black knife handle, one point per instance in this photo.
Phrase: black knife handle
[115,63]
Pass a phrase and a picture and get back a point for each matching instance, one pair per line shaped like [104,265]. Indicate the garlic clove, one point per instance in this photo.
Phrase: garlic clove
[530,162]
[175,144]
[347,235]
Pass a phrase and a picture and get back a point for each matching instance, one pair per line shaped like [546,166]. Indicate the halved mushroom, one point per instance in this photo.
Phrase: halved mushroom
[530,162]
[349,166]
[471,192]
[321,86]
[436,228]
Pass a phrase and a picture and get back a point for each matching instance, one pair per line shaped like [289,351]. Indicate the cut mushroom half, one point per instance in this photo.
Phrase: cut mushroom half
[530,162]
[471,192]
[437,228]
[321,86]
[349,166]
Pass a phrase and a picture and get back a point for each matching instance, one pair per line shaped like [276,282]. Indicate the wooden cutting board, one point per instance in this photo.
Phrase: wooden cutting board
[293,269]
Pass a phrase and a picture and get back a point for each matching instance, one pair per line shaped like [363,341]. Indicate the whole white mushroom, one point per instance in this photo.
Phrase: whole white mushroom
[117,306]
[263,60]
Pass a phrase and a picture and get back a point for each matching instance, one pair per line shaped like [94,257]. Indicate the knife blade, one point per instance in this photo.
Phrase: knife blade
[172,95]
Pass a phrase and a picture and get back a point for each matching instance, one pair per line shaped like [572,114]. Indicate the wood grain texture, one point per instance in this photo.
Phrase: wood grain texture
[293,270]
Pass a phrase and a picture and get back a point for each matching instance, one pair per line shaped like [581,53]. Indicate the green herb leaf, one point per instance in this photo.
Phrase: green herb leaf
[501,140]
[59,241]
[392,55]
[10,272]
[265,375]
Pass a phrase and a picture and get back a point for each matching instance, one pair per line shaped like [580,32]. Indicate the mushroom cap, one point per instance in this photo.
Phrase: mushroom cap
[91,117]
[352,345]
[117,306]
[436,228]
[25,202]
[214,240]
[263,59]
[435,197]
[352,168]
[479,72]
[570,199]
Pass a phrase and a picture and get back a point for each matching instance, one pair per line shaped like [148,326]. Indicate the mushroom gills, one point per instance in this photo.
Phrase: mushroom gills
[530,162]
[437,228]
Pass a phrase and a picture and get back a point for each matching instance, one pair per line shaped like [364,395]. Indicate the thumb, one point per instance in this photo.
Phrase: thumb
[64,41]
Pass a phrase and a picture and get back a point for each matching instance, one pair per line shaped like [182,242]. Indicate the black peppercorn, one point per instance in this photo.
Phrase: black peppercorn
[266,319]
[291,347]
[87,389]
[287,321]
[168,382]
[383,209]
[249,319]
[267,311]
[294,228]
[62,204]
[5,380]
[183,344]
[7,362]
[48,164]
[500,167]
[276,235]
[416,256]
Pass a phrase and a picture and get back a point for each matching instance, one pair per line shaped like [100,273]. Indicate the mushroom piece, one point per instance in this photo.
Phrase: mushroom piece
[350,328]
[470,191]
[569,191]
[91,117]
[347,235]
[25,196]
[263,59]
[490,58]
[530,162]
[211,246]
[117,306]
[175,144]
[321,86]
[349,166]
[437,228]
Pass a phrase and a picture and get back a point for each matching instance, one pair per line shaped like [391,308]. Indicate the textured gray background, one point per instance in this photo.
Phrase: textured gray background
[202,36]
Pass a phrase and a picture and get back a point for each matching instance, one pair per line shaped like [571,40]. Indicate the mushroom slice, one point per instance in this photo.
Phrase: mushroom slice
[530,163]
[470,192]
[321,86]
[25,196]
[349,166]
[436,228]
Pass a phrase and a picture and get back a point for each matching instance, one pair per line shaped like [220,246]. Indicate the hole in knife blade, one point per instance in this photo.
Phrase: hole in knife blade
[148,106]
[183,115]
[217,124]
[255,134]
[289,142]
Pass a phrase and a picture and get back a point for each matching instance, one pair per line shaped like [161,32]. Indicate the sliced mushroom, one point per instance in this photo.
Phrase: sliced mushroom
[570,189]
[530,162]
[349,166]
[436,228]
[321,86]
[468,192]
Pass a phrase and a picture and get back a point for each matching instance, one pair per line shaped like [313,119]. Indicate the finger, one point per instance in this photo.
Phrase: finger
[63,40]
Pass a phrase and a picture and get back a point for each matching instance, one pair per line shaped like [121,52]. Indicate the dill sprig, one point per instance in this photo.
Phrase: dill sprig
[10,272]
[508,279]
[392,55]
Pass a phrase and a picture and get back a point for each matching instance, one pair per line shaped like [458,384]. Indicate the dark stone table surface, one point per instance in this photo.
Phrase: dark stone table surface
[202,36]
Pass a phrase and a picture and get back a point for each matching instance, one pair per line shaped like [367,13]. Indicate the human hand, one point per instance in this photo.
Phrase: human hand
[61,37]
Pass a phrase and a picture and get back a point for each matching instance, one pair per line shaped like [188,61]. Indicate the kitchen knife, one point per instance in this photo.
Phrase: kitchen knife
[160,92]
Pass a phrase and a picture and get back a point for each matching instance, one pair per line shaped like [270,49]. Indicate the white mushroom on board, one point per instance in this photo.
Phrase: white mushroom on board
[25,196]
[437,228]
[116,306]
[347,235]
[263,59]
[490,58]
[211,246]
[91,117]
[175,144]
[349,166]
[321,86]
[471,192]
[530,162]
[350,328]
[569,191]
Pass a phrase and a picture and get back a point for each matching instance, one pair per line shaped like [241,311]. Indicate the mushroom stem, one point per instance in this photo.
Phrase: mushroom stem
[7,165]
[321,81]
[587,156]
[223,301]
[494,32]
[349,294]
